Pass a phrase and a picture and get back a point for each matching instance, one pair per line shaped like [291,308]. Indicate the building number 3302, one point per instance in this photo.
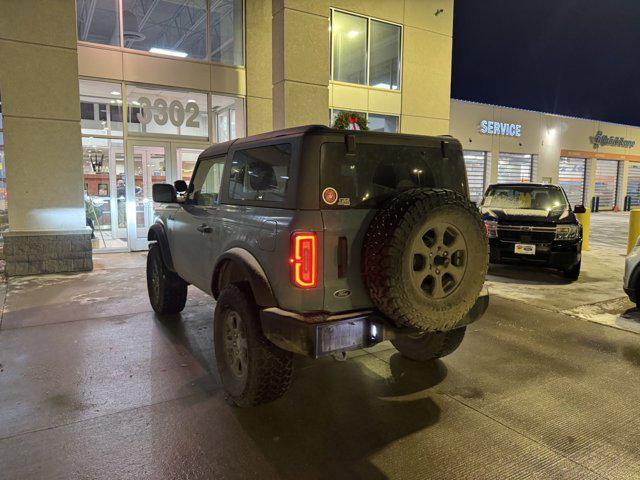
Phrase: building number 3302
[162,112]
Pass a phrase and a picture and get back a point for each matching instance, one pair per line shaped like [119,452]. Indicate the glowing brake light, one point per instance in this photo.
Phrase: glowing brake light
[304,259]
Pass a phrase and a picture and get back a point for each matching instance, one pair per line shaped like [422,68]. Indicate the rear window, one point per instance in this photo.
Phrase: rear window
[368,178]
[260,173]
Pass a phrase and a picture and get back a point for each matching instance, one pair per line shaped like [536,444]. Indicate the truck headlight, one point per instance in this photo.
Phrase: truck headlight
[491,227]
[567,232]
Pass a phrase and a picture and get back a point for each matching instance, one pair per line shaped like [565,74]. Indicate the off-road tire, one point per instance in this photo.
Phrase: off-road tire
[269,369]
[572,273]
[429,345]
[169,294]
[389,260]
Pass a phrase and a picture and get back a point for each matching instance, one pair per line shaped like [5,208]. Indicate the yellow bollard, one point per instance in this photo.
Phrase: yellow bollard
[585,221]
[634,228]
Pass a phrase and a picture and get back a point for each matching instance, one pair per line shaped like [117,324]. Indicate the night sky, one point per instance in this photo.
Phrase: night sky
[571,57]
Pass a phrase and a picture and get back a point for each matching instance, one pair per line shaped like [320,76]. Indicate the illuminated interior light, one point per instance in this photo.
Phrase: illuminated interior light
[172,53]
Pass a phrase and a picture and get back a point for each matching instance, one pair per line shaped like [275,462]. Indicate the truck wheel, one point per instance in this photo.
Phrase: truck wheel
[252,369]
[425,258]
[167,291]
[572,273]
[425,346]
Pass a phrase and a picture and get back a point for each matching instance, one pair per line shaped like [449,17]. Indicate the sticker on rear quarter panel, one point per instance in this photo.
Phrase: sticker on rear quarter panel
[330,195]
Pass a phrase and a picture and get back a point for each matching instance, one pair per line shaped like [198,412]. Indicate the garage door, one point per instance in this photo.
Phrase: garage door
[571,178]
[476,163]
[606,183]
[633,184]
[515,168]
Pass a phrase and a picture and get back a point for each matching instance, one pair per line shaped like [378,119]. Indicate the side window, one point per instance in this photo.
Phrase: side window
[207,180]
[260,173]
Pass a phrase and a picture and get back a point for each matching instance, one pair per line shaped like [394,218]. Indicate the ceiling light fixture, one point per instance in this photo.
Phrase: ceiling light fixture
[171,53]
[115,92]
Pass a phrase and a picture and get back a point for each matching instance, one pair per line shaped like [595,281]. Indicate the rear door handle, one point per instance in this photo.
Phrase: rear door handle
[204,228]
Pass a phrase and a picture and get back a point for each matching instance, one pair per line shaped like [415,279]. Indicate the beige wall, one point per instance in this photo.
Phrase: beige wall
[424,97]
[543,134]
[39,85]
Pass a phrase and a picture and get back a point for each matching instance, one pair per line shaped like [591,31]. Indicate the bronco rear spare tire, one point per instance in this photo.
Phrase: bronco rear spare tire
[425,258]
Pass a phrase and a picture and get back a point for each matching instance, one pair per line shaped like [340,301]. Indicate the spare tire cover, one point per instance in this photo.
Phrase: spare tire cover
[425,258]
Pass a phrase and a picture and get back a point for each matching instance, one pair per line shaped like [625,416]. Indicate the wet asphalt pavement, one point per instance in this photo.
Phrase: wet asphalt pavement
[93,385]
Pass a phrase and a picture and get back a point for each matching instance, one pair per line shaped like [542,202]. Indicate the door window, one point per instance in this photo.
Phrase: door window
[260,173]
[207,181]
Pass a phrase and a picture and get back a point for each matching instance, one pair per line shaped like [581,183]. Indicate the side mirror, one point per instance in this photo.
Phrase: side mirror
[579,209]
[180,186]
[164,193]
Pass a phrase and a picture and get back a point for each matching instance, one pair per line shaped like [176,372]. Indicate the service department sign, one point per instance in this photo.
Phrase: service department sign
[488,127]
[601,140]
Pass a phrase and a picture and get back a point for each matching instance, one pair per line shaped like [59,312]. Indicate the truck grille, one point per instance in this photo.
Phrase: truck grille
[526,233]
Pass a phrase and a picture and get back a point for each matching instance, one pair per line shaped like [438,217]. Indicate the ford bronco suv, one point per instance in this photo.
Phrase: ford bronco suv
[317,241]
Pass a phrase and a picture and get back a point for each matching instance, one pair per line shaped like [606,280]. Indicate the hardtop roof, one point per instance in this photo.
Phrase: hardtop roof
[222,148]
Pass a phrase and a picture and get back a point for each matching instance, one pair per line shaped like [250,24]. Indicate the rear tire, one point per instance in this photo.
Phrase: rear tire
[253,370]
[429,345]
[572,273]
[167,291]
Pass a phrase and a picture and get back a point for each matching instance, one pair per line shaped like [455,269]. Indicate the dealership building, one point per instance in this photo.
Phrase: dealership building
[100,99]
[589,158]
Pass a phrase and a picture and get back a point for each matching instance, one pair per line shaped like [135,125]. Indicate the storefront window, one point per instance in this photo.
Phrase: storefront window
[229,117]
[226,32]
[4,212]
[373,61]
[98,22]
[375,121]
[103,163]
[382,123]
[161,111]
[166,27]
[349,48]
[100,108]
[187,158]
[385,55]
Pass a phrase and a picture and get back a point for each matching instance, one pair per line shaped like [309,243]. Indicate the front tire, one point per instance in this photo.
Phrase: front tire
[572,273]
[429,345]
[167,291]
[253,370]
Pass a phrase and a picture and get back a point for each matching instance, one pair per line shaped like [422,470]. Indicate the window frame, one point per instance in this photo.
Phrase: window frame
[292,184]
[207,60]
[369,19]
[222,159]
[366,113]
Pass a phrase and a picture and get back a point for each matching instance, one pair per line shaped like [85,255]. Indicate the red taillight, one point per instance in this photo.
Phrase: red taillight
[304,259]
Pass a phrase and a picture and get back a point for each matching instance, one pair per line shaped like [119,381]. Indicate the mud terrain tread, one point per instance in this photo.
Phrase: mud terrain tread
[270,367]
[173,289]
[433,345]
[385,241]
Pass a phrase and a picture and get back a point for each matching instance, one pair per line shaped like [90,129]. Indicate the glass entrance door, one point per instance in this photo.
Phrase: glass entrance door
[149,163]
[152,162]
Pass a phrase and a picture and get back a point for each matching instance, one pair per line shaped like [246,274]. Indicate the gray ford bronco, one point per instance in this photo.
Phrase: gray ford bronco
[317,241]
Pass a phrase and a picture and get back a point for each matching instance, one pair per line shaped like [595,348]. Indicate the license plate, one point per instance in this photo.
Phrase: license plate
[525,249]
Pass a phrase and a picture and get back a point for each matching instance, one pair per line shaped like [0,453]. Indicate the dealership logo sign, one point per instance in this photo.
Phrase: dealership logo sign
[488,127]
[600,140]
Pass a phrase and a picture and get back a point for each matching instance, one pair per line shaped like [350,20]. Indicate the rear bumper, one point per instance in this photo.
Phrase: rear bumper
[322,334]
[565,254]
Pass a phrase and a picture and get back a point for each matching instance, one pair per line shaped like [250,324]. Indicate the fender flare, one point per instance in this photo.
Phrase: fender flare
[159,235]
[248,269]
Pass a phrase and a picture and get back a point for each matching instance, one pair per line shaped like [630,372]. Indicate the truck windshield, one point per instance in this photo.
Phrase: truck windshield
[525,198]
[375,172]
